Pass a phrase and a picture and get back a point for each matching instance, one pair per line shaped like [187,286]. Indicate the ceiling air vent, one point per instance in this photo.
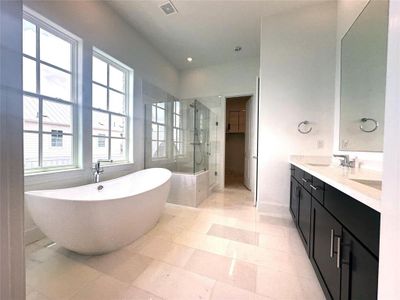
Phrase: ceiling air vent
[168,8]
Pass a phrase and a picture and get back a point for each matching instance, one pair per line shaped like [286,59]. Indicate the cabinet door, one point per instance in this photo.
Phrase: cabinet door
[294,199]
[359,270]
[233,122]
[326,232]
[305,217]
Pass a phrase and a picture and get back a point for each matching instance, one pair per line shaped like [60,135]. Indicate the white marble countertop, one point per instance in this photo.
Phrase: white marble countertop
[340,178]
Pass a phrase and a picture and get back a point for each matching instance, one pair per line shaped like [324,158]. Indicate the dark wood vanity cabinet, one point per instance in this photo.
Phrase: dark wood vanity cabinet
[359,270]
[323,253]
[300,208]
[341,236]
[294,199]
[305,217]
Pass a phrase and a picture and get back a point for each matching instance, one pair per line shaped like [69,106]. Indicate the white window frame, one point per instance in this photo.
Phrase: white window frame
[128,72]
[41,22]
[165,125]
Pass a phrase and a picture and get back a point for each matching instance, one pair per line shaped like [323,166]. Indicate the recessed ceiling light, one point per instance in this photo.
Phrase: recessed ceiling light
[220,96]
[189,59]
[238,48]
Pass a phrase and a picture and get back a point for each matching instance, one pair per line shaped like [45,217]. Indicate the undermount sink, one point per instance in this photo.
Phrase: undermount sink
[376,184]
[319,164]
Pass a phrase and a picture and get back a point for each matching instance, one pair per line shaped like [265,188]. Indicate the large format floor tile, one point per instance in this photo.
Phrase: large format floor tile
[223,250]
[169,282]
[224,269]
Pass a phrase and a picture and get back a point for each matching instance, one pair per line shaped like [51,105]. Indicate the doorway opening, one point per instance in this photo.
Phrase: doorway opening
[238,141]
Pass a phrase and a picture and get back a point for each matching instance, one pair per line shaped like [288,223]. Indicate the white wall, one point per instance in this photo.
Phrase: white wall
[297,71]
[231,79]
[12,266]
[98,25]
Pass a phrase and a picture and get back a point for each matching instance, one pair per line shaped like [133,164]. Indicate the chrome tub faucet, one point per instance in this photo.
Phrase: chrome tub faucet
[97,170]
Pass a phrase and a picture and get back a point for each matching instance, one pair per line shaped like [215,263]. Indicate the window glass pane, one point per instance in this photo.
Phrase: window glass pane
[154,149]
[162,149]
[118,128]
[100,123]
[161,104]
[177,121]
[177,107]
[154,113]
[154,132]
[55,83]
[117,102]
[29,38]
[160,115]
[117,79]
[99,70]
[57,116]
[31,113]
[59,155]
[118,149]
[29,75]
[55,50]
[161,133]
[99,97]
[100,148]
[31,150]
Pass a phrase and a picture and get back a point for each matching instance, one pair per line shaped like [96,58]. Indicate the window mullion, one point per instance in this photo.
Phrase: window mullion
[40,99]
[109,135]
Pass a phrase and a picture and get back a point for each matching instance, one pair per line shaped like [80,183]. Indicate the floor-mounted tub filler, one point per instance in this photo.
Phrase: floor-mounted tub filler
[101,217]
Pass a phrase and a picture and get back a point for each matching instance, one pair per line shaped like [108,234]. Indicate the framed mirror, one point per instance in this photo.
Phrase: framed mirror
[363,80]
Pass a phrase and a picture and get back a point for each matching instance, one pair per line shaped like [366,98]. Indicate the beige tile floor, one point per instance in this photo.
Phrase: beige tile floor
[222,250]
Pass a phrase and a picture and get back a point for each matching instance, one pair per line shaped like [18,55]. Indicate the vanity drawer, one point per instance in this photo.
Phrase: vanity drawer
[292,168]
[361,220]
[298,174]
[306,180]
[318,189]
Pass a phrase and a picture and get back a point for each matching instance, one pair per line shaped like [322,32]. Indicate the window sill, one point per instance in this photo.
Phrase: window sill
[44,172]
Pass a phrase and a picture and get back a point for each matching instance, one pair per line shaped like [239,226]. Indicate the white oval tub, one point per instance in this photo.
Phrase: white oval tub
[88,221]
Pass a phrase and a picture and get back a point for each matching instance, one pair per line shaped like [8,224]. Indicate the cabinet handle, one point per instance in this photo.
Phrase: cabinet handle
[304,180]
[331,248]
[313,187]
[338,252]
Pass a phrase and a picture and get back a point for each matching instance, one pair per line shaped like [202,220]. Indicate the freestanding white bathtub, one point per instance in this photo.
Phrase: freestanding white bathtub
[87,220]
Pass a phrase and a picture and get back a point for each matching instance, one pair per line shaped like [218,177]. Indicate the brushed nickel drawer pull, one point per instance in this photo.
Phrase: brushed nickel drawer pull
[313,187]
[331,248]
[304,180]
[338,253]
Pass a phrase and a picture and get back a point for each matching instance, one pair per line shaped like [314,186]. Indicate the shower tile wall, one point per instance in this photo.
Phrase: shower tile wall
[189,189]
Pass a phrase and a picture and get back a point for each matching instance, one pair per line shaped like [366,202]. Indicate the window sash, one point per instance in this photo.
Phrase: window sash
[124,93]
[41,97]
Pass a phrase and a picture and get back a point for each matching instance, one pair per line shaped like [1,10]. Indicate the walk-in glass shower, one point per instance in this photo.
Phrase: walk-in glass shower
[178,136]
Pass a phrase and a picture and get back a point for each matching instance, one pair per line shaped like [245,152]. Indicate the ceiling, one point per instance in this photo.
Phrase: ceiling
[208,31]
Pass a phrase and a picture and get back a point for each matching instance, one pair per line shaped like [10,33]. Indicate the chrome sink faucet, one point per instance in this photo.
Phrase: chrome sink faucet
[98,169]
[345,161]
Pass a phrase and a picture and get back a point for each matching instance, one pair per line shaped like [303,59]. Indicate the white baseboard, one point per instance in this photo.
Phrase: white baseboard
[274,209]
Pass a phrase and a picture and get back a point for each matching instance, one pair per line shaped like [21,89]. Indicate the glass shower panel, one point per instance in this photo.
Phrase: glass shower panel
[177,136]
[201,137]
[213,150]
[184,155]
